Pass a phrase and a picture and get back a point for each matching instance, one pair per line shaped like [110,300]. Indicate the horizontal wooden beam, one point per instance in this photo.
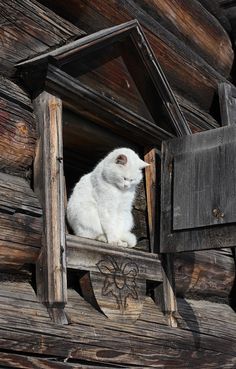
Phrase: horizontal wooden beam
[85,254]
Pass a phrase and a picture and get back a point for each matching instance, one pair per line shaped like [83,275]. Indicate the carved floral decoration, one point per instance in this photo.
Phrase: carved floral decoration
[119,280]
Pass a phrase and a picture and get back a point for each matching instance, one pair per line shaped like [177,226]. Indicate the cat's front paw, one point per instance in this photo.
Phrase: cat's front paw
[122,243]
[130,239]
[119,243]
[101,238]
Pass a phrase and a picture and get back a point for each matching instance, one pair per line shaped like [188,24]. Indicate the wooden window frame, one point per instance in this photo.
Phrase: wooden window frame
[51,86]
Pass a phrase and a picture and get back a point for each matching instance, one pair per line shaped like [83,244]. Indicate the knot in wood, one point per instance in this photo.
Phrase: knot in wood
[217,213]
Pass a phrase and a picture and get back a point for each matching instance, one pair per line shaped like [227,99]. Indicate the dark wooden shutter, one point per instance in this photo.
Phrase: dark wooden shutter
[198,205]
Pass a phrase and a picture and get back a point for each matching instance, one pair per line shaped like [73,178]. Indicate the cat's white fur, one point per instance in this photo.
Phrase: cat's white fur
[100,206]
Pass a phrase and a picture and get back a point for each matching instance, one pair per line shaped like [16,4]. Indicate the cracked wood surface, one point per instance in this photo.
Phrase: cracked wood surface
[205,334]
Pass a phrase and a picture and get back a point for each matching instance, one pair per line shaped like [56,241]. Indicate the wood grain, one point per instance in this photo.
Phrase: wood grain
[205,274]
[49,185]
[28,28]
[86,339]
[227,97]
[85,254]
[152,190]
[17,128]
[20,222]
[218,236]
[194,26]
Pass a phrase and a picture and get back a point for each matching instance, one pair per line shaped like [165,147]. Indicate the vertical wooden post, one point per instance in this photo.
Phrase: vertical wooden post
[49,185]
[164,294]
[152,158]
[227,99]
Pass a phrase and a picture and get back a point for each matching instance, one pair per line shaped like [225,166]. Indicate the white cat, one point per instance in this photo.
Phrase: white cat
[101,203]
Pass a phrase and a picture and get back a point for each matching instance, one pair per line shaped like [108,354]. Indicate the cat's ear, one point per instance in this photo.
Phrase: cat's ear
[121,159]
[143,164]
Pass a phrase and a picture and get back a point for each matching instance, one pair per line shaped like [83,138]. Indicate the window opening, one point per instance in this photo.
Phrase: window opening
[52,79]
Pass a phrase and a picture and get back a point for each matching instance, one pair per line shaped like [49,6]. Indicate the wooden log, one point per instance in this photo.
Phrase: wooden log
[13,360]
[28,28]
[216,8]
[196,27]
[49,185]
[178,61]
[17,128]
[209,274]
[20,222]
[206,333]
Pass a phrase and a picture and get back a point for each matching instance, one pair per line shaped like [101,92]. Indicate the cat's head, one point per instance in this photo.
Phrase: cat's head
[123,168]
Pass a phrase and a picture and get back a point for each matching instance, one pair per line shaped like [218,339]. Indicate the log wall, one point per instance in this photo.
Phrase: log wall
[28,339]
[196,55]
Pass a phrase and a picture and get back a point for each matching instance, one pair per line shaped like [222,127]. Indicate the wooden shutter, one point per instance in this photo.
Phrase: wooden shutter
[198,204]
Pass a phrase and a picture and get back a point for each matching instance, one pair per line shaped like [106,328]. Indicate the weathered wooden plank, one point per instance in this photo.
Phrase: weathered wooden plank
[85,254]
[28,28]
[185,18]
[17,128]
[207,177]
[204,274]
[227,96]
[20,222]
[93,338]
[217,8]
[198,238]
[49,185]
[12,92]
[31,362]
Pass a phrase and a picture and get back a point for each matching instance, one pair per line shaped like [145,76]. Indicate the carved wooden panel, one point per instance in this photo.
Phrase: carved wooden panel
[116,282]
[118,288]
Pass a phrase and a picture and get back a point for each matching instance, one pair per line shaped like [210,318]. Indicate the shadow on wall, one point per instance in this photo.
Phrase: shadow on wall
[189,321]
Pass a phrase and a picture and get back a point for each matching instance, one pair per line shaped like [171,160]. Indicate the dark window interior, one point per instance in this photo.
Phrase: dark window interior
[85,143]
